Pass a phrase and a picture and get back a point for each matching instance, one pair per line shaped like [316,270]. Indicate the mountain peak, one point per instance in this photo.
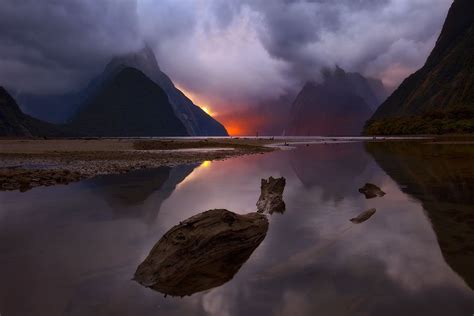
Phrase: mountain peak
[339,105]
[128,104]
[458,22]
[143,59]
[444,84]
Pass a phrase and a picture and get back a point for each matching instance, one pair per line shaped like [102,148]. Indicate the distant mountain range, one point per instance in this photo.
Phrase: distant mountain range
[111,108]
[133,97]
[13,122]
[337,106]
[438,98]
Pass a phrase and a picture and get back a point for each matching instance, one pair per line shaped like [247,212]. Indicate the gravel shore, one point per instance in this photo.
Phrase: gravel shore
[25,164]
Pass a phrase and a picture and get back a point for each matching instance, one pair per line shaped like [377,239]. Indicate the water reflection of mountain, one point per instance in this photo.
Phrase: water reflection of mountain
[442,178]
[336,169]
[126,191]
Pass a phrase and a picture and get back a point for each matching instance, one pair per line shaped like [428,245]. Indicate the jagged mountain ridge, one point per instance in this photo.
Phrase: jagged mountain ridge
[338,106]
[61,108]
[196,121]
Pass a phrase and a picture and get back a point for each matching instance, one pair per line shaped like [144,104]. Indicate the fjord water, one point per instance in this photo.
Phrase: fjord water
[73,250]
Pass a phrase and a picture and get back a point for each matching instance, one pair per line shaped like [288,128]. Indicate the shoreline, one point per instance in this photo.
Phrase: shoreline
[30,163]
[26,164]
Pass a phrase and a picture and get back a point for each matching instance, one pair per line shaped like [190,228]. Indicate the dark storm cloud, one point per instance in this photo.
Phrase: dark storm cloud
[249,50]
[53,44]
[352,33]
[229,52]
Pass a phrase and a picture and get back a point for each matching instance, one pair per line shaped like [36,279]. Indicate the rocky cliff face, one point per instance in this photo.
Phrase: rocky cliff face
[13,122]
[445,83]
[338,106]
[127,104]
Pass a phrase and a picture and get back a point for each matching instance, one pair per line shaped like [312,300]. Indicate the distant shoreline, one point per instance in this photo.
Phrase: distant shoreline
[29,163]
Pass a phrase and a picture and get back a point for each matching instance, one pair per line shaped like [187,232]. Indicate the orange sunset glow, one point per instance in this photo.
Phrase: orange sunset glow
[198,100]
[234,126]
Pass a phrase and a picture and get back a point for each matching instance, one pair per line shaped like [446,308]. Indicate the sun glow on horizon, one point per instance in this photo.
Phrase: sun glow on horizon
[198,100]
[205,109]
[235,127]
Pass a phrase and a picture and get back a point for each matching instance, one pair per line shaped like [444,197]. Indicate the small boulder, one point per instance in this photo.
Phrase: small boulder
[362,217]
[371,191]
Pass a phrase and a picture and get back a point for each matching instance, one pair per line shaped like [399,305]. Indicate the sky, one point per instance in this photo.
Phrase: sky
[227,54]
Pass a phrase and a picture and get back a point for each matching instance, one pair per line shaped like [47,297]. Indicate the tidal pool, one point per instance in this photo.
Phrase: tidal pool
[73,250]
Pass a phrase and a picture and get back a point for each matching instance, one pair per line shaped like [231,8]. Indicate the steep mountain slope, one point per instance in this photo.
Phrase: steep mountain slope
[196,121]
[60,108]
[128,104]
[444,84]
[370,89]
[338,106]
[13,122]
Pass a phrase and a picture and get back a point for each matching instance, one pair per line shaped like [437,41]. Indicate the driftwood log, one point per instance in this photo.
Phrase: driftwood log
[203,252]
[362,217]
[271,196]
[371,191]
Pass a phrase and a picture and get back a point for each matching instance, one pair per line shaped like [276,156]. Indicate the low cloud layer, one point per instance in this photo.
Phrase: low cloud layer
[230,54]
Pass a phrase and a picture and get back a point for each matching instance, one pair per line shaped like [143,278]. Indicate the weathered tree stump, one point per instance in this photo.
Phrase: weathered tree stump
[203,252]
[271,196]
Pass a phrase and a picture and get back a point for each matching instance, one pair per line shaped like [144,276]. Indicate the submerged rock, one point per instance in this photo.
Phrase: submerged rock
[371,191]
[271,196]
[362,217]
[203,252]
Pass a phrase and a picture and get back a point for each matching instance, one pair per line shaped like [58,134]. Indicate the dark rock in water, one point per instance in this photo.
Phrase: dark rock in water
[271,196]
[371,191]
[203,252]
[362,217]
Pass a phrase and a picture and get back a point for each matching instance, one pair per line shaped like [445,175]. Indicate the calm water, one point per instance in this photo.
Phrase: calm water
[73,250]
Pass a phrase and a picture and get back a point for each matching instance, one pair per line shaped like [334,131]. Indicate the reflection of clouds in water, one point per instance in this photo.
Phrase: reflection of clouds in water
[293,303]
[231,184]
[313,260]
[398,235]
[219,302]
[399,239]
[401,236]
[332,168]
